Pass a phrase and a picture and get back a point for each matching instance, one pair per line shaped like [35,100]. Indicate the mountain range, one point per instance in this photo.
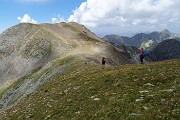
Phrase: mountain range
[138,39]
[153,43]
[31,49]
[54,71]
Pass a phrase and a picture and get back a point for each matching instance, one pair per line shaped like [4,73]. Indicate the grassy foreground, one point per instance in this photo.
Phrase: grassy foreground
[86,91]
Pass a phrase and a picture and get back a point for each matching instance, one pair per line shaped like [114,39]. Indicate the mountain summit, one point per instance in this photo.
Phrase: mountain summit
[32,49]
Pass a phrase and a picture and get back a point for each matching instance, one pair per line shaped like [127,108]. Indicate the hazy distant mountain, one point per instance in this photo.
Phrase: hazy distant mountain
[130,52]
[138,39]
[150,42]
[114,39]
[167,49]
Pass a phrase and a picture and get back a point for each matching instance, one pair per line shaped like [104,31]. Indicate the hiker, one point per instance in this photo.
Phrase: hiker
[141,56]
[103,62]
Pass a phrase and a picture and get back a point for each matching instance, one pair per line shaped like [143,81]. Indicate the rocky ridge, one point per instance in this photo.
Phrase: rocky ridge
[31,54]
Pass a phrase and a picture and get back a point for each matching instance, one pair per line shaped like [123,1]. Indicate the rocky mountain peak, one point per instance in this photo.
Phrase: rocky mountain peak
[165,31]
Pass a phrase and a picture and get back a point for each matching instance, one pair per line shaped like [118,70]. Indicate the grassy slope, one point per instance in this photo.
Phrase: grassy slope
[85,91]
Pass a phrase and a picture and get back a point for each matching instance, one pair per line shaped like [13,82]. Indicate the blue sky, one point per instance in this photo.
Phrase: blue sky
[123,17]
[39,10]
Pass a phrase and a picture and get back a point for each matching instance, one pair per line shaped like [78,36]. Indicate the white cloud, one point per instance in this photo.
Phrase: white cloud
[26,19]
[125,13]
[35,1]
[57,20]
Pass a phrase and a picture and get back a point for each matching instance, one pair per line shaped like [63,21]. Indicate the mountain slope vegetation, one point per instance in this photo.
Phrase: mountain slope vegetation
[86,91]
[25,46]
[29,51]
[53,71]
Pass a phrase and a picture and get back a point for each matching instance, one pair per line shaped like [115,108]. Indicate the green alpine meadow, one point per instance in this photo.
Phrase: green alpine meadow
[86,91]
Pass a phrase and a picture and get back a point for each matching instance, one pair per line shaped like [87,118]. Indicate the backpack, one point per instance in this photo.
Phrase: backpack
[144,53]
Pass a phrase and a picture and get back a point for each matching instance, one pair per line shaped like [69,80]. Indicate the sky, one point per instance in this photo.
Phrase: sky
[122,17]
